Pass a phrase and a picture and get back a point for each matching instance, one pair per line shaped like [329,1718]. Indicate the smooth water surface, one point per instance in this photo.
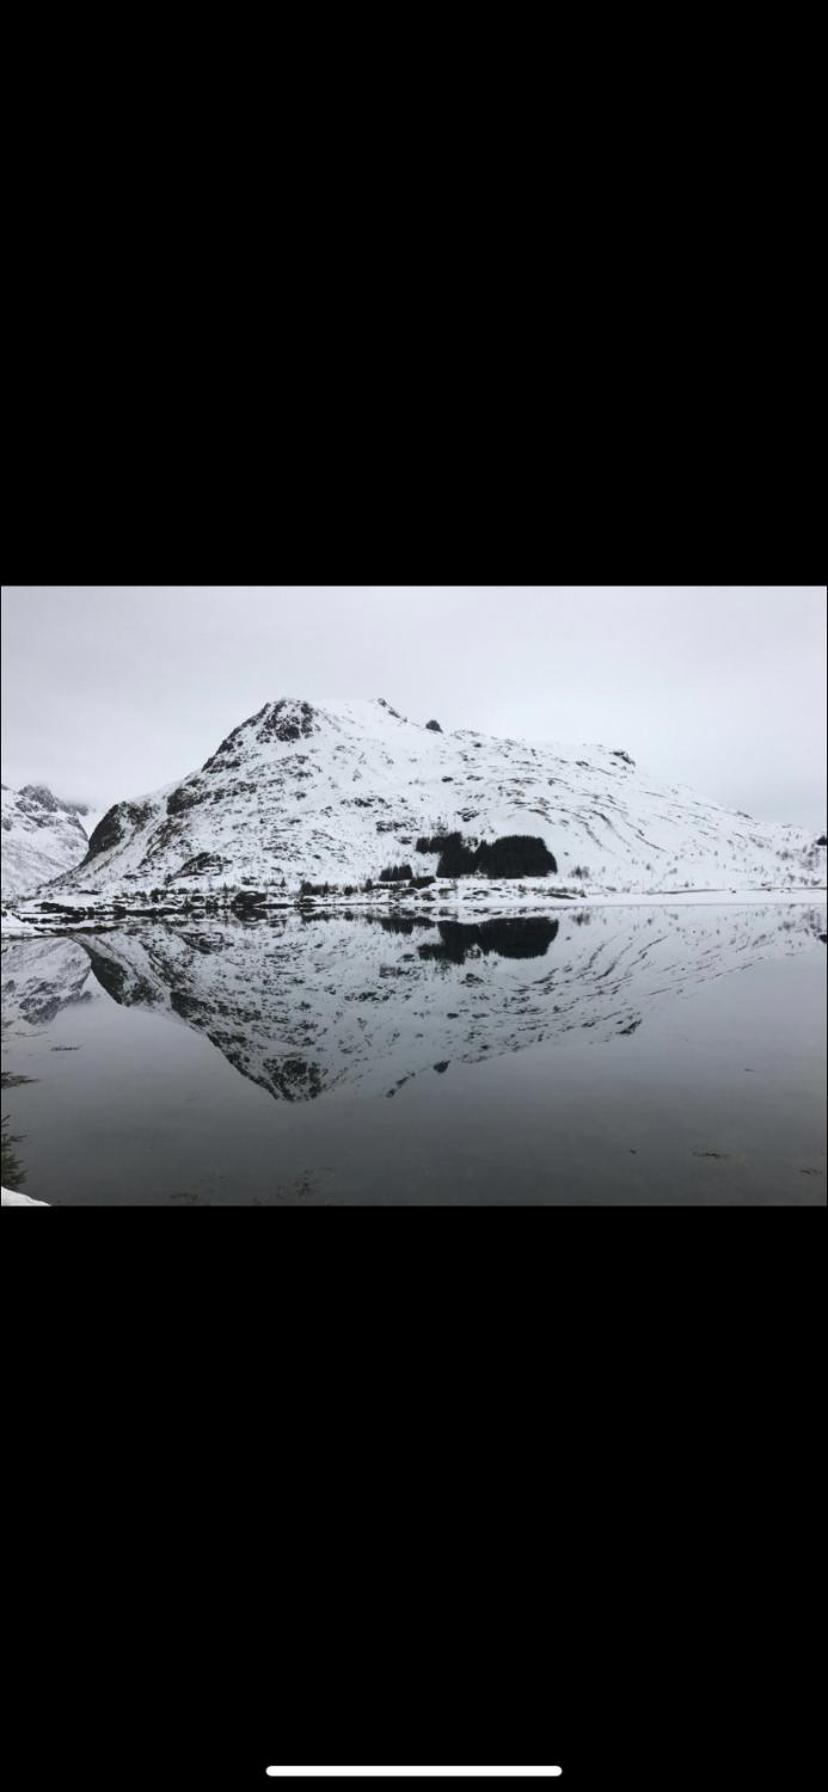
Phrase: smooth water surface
[623,1055]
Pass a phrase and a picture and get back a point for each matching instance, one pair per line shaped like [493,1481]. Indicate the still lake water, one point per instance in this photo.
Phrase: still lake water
[619,1055]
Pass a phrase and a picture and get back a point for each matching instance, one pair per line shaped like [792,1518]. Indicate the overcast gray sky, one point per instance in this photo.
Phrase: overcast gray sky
[113,692]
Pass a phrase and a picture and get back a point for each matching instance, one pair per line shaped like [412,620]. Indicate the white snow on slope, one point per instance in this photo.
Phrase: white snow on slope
[40,837]
[335,792]
[11,1199]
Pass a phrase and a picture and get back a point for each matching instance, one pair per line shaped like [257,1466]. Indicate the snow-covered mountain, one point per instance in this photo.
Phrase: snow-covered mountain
[41,837]
[335,793]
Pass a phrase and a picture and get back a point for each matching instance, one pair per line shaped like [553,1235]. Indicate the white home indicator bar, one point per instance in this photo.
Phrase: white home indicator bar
[415,1773]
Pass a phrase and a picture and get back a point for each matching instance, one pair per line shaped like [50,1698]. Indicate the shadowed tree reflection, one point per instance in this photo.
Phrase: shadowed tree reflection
[520,938]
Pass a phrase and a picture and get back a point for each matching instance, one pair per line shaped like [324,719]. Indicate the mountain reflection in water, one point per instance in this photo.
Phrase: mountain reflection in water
[305,1007]
[604,1056]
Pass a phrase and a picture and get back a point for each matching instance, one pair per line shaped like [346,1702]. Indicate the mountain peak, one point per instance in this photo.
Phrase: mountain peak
[44,798]
[41,794]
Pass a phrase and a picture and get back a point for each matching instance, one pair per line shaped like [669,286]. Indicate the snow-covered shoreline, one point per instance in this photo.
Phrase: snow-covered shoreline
[671,899]
[537,896]
[10,1198]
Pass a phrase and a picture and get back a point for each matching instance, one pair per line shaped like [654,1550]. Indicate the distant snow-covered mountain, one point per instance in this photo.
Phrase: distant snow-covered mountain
[337,792]
[41,836]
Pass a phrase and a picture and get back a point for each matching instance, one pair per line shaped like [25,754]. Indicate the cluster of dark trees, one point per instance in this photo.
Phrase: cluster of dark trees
[248,902]
[434,843]
[396,874]
[512,855]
